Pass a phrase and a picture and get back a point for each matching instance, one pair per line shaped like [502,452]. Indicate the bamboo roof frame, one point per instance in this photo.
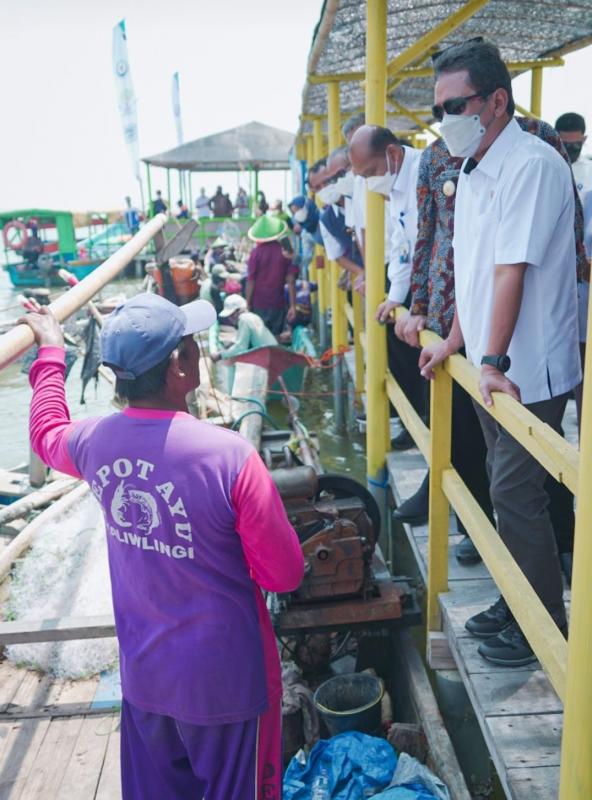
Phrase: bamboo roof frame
[531,34]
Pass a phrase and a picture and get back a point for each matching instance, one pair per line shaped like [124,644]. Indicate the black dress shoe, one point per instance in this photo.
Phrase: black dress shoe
[490,622]
[509,648]
[466,553]
[403,441]
[415,509]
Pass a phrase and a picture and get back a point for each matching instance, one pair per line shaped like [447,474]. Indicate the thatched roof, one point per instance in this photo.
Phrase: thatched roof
[252,145]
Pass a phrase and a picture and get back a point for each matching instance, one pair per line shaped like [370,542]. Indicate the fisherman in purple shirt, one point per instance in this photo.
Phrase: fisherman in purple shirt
[268,271]
[195,530]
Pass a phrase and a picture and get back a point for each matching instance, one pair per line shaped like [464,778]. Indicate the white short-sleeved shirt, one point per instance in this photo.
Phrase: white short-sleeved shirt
[582,171]
[402,207]
[517,206]
[357,214]
[334,249]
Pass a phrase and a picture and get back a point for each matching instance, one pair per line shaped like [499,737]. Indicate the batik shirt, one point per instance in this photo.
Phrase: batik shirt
[432,277]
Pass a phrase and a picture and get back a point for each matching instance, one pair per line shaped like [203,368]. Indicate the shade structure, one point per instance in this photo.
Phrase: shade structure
[524,30]
[254,145]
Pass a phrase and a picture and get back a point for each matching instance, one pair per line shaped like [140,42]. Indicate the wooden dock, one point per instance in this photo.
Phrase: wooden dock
[56,741]
[517,709]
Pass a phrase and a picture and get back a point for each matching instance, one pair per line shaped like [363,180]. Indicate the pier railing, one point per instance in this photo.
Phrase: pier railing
[447,488]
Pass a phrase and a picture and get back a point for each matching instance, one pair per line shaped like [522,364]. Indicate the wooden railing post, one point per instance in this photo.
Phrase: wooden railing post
[439,510]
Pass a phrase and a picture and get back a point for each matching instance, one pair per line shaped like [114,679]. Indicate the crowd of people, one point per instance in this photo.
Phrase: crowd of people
[488,244]
[218,206]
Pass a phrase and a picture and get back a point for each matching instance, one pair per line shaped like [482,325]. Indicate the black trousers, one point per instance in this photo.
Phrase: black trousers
[403,362]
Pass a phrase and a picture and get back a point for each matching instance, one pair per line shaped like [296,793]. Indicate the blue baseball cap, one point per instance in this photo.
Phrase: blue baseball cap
[143,331]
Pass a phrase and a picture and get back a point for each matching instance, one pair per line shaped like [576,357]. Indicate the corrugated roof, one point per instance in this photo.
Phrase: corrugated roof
[523,30]
[251,145]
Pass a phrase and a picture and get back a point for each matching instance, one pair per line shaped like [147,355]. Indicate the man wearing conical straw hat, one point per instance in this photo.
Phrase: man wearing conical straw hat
[269,270]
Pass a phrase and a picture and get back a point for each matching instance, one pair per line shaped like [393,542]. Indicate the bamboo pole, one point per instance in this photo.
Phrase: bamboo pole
[20,338]
[42,497]
[22,540]
[377,436]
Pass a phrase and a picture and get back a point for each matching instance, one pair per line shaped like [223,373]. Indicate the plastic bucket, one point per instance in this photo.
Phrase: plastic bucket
[350,703]
[184,279]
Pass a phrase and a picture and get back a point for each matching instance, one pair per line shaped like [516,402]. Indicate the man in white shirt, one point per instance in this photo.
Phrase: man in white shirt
[571,127]
[516,308]
[337,238]
[390,169]
[202,204]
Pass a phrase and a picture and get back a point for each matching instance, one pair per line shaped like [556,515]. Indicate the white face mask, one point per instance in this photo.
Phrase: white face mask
[382,184]
[301,215]
[346,184]
[329,194]
[462,134]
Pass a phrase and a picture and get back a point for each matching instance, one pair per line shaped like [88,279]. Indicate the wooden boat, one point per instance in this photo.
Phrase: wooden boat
[55,247]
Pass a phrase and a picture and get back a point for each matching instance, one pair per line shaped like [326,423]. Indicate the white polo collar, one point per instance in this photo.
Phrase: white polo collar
[403,175]
[492,161]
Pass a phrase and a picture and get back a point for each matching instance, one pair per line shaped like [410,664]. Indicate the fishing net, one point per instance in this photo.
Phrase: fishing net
[65,574]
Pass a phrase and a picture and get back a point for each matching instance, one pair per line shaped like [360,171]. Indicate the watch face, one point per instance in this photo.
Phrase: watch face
[504,363]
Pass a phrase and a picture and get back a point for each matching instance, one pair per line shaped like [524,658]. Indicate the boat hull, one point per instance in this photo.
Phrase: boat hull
[35,278]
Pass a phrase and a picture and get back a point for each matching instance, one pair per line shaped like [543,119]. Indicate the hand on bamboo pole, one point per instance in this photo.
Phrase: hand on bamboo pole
[46,329]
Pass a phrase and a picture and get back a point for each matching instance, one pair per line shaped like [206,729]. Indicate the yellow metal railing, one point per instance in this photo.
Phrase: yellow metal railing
[447,489]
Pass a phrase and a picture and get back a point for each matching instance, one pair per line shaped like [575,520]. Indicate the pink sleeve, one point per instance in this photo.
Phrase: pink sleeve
[270,543]
[49,417]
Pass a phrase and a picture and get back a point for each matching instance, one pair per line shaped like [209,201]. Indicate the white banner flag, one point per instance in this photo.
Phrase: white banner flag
[177,108]
[126,99]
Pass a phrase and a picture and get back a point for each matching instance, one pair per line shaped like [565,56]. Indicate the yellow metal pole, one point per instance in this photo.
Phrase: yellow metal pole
[377,429]
[318,151]
[312,269]
[358,351]
[576,764]
[536,92]
[440,437]
[338,318]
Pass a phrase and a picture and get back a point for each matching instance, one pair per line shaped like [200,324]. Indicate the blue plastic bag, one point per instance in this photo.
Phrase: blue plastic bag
[357,766]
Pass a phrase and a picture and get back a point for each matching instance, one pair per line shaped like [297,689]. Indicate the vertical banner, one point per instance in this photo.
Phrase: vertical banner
[176,97]
[126,99]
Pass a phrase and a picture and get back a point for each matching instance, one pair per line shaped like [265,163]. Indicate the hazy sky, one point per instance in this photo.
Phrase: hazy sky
[61,144]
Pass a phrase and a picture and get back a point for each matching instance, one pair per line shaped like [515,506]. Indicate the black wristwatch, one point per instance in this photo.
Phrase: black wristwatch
[501,363]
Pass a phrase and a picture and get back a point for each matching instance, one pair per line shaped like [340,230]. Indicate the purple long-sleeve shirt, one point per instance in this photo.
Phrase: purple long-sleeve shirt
[195,527]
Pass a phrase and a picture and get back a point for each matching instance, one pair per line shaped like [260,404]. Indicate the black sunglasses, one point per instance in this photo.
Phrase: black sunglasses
[456,105]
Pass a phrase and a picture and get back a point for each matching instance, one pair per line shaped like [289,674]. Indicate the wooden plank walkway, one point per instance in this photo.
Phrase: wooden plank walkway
[518,712]
[52,745]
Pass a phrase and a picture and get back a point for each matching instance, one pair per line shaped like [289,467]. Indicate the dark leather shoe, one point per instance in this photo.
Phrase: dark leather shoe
[466,553]
[403,441]
[414,510]
[509,648]
[490,622]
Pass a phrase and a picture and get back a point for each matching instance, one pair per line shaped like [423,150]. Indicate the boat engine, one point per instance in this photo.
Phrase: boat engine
[337,521]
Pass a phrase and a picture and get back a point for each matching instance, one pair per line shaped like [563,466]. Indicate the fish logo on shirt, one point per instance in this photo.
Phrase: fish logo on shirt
[125,496]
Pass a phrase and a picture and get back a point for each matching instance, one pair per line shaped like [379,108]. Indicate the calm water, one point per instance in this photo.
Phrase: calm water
[15,392]
[339,453]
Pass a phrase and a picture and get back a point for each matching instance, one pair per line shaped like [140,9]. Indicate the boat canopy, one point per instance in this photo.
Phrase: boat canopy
[62,221]
[254,145]
[529,33]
